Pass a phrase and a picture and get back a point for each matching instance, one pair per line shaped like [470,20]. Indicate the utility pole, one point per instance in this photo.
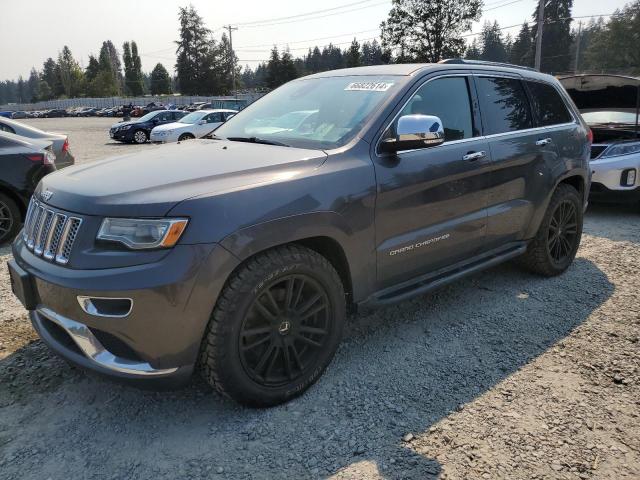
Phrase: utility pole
[575,67]
[231,56]
[538,60]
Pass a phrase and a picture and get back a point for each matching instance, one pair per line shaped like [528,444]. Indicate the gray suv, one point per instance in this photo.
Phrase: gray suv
[241,255]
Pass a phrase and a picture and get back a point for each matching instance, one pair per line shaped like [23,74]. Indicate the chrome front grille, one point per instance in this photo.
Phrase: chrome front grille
[49,233]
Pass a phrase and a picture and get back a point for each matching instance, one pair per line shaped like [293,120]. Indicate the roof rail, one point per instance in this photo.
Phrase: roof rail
[462,61]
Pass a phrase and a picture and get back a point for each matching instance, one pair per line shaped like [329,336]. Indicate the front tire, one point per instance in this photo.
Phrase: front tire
[555,245]
[275,328]
[140,136]
[185,136]
[10,219]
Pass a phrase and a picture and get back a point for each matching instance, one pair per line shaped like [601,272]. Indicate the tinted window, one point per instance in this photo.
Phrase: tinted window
[177,115]
[448,99]
[214,117]
[504,105]
[6,128]
[547,104]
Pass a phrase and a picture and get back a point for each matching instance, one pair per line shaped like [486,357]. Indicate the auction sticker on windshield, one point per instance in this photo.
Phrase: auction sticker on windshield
[369,86]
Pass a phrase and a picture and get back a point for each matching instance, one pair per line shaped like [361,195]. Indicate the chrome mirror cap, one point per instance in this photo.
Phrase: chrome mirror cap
[415,131]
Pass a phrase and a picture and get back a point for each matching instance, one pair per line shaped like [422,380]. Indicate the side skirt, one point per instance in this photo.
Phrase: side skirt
[432,280]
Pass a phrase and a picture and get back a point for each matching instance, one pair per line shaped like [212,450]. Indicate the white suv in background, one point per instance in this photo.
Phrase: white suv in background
[610,106]
[195,125]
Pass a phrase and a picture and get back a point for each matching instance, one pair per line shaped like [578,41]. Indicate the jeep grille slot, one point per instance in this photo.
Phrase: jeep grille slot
[48,233]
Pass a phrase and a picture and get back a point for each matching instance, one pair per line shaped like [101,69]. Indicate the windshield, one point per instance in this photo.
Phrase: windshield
[193,117]
[609,117]
[149,116]
[318,113]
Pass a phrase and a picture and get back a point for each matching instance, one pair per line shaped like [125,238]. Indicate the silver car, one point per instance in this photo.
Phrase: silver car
[610,105]
[60,142]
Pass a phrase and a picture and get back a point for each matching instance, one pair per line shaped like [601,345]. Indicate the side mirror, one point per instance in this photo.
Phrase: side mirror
[202,122]
[413,132]
[155,120]
[230,116]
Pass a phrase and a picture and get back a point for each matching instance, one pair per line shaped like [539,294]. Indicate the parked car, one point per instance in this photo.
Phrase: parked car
[611,107]
[60,142]
[152,107]
[138,131]
[55,113]
[6,113]
[194,125]
[242,254]
[23,163]
[195,106]
[18,115]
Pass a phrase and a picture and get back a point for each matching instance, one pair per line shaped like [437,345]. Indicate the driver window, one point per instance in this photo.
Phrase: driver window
[448,99]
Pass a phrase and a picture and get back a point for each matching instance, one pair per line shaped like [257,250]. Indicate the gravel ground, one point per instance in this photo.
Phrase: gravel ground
[500,375]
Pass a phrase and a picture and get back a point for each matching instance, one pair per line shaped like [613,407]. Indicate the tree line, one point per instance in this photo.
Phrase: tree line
[102,77]
[413,32]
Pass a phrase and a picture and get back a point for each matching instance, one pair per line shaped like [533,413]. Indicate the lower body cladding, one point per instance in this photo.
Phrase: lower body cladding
[615,179]
[143,323]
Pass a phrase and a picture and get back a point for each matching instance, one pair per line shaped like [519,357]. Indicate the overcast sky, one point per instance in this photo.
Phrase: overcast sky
[32,30]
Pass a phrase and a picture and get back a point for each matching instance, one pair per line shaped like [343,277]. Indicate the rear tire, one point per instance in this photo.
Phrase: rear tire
[10,219]
[140,137]
[555,245]
[275,328]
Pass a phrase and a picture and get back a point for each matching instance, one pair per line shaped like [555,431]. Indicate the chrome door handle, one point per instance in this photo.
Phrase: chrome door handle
[543,141]
[474,156]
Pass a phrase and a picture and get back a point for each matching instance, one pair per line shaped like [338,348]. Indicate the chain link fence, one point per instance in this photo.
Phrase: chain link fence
[236,102]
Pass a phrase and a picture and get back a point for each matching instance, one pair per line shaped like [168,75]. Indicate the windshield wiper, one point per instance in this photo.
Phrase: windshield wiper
[257,140]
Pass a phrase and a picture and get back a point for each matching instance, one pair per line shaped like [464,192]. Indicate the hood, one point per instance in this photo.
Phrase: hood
[150,183]
[122,124]
[603,92]
[171,126]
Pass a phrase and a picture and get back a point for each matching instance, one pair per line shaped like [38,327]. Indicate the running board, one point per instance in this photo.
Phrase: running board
[433,280]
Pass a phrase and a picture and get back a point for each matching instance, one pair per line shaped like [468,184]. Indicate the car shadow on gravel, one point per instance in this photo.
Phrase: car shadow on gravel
[399,371]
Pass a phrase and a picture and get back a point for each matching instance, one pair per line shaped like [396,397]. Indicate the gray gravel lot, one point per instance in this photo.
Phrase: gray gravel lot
[501,375]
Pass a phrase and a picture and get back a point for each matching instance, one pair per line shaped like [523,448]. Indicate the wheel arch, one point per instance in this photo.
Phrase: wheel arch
[20,202]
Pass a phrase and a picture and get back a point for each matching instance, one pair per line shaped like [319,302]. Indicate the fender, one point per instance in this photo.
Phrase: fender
[536,220]
[357,245]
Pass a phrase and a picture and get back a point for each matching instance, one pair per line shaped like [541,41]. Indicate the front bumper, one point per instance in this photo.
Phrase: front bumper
[158,340]
[122,135]
[609,173]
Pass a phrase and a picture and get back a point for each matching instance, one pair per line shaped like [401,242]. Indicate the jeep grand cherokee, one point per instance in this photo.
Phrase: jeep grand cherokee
[240,255]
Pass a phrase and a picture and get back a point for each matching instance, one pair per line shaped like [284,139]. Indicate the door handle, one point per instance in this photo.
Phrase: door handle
[472,156]
[543,141]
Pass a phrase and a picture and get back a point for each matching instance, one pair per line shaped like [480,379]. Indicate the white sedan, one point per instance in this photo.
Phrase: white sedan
[195,125]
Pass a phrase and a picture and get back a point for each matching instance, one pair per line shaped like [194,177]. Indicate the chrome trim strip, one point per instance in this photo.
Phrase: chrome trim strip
[87,305]
[95,351]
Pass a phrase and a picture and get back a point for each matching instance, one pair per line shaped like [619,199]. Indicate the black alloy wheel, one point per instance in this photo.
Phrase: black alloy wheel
[285,330]
[9,219]
[563,232]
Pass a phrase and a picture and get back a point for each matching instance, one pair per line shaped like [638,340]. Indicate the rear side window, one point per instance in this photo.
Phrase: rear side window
[547,105]
[504,105]
[6,128]
[448,99]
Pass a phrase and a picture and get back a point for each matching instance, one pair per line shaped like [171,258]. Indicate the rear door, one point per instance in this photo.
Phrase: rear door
[521,155]
[431,202]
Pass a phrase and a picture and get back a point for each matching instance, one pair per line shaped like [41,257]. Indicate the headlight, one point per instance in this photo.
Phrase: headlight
[126,127]
[623,148]
[138,233]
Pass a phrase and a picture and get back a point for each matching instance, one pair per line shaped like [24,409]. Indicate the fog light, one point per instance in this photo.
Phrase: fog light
[628,178]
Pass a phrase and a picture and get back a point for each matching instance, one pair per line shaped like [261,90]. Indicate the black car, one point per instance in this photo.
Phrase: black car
[241,255]
[138,131]
[23,163]
[55,113]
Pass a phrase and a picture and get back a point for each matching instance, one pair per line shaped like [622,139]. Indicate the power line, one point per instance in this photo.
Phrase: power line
[269,20]
[308,40]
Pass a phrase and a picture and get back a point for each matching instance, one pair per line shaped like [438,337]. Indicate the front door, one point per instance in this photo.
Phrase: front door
[431,203]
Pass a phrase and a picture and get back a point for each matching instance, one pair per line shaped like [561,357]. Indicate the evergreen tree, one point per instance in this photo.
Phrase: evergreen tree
[473,51]
[273,69]
[71,76]
[132,69]
[193,52]
[522,48]
[493,48]
[288,70]
[33,86]
[354,58]
[429,31]
[160,81]
[556,35]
